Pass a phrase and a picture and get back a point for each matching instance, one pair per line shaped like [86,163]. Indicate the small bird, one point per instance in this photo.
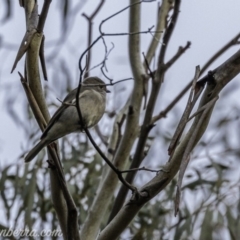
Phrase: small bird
[92,102]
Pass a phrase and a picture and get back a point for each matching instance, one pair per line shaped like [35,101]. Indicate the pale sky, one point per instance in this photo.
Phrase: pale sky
[207,24]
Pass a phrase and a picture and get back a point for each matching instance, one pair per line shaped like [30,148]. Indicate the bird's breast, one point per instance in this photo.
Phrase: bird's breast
[92,105]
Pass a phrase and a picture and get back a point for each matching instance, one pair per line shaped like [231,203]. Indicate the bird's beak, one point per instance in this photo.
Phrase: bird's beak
[107,90]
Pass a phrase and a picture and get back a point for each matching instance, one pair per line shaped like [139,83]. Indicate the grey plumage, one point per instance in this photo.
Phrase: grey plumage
[92,102]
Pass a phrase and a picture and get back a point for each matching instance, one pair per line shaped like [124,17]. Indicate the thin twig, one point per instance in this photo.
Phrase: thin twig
[103,62]
[111,34]
[117,135]
[186,155]
[147,125]
[162,13]
[101,136]
[168,34]
[107,53]
[164,112]
[184,119]
[201,110]
[131,33]
[54,156]
[43,15]
[111,165]
[234,41]
[151,74]
[33,103]
[90,31]
[140,169]
[178,54]
[42,59]
[115,14]
[148,67]
[38,104]
[83,54]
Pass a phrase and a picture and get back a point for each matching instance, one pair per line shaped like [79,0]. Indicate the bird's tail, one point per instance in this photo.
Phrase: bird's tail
[35,150]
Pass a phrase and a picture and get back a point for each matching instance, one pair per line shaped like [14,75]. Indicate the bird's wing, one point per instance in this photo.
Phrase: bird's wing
[67,100]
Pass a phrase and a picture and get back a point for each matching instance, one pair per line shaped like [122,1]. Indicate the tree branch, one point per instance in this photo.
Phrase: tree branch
[179,53]
[161,25]
[90,30]
[147,126]
[109,183]
[43,15]
[35,95]
[164,112]
[216,82]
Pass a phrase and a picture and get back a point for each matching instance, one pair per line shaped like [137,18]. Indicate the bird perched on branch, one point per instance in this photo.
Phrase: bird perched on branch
[92,102]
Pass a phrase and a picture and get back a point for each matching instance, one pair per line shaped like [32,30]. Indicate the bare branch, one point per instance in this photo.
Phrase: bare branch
[145,89]
[184,119]
[179,53]
[103,62]
[189,147]
[129,136]
[101,136]
[115,14]
[111,34]
[216,81]
[161,25]
[110,164]
[116,131]
[43,15]
[147,126]
[42,59]
[234,41]
[122,80]
[140,169]
[90,29]
[83,54]
[37,100]
[32,101]
[59,172]
[164,112]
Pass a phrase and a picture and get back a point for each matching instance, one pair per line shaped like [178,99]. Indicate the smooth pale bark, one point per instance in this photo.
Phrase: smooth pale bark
[34,81]
[106,189]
